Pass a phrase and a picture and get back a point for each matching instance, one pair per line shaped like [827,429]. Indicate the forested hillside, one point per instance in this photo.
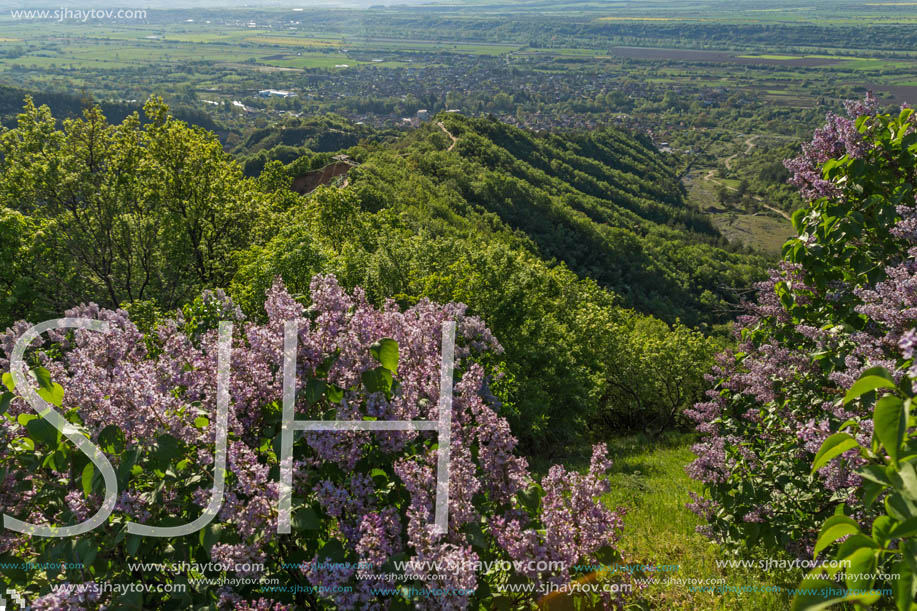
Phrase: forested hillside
[605,203]
[68,105]
[550,240]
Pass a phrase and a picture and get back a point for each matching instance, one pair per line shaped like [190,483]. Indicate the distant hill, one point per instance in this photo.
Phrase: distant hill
[66,105]
[300,136]
[604,203]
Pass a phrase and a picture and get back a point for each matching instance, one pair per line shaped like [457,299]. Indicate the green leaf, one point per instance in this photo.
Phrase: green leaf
[530,498]
[890,421]
[905,530]
[872,379]
[378,379]
[882,529]
[201,422]
[833,446]
[8,382]
[850,545]
[88,472]
[124,470]
[899,507]
[862,562]
[874,473]
[386,352]
[5,399]
[111,439]
[132,545]
[334,393]
[908,477]
[796,219]
[306,519]
[905,586]
[44,377]
[833,529]
[24,419]
[53,395]
[43,431]
[49,391]
[380,478]
[167,449]
[871,492]
[210,535]
[314,390]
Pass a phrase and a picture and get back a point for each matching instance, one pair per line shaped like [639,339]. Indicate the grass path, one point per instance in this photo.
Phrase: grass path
[649,480]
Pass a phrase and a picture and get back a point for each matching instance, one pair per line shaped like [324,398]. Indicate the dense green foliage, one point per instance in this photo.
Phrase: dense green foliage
[548,239]
[67,105]
[115,214]
[889,480]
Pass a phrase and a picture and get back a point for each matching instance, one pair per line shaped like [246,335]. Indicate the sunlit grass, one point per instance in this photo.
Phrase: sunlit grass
[649,480]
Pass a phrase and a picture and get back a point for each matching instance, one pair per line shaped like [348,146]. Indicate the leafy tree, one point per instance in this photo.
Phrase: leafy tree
[126,212]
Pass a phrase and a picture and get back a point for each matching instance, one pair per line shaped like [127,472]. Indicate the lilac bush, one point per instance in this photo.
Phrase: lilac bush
[148,400]
[839,303]
[882,556]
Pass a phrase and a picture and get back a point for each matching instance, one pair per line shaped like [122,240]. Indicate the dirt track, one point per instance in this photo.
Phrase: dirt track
[749,145]
[446,131]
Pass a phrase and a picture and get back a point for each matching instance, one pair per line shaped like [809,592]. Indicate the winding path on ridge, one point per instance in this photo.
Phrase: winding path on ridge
[446,131]
[749,145]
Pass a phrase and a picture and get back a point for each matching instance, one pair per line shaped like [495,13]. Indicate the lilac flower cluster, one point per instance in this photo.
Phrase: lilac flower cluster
[66,599]
[118,379]
[838,137]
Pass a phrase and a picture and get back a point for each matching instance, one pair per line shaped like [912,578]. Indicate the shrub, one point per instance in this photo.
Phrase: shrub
[837,305]
[148,401]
